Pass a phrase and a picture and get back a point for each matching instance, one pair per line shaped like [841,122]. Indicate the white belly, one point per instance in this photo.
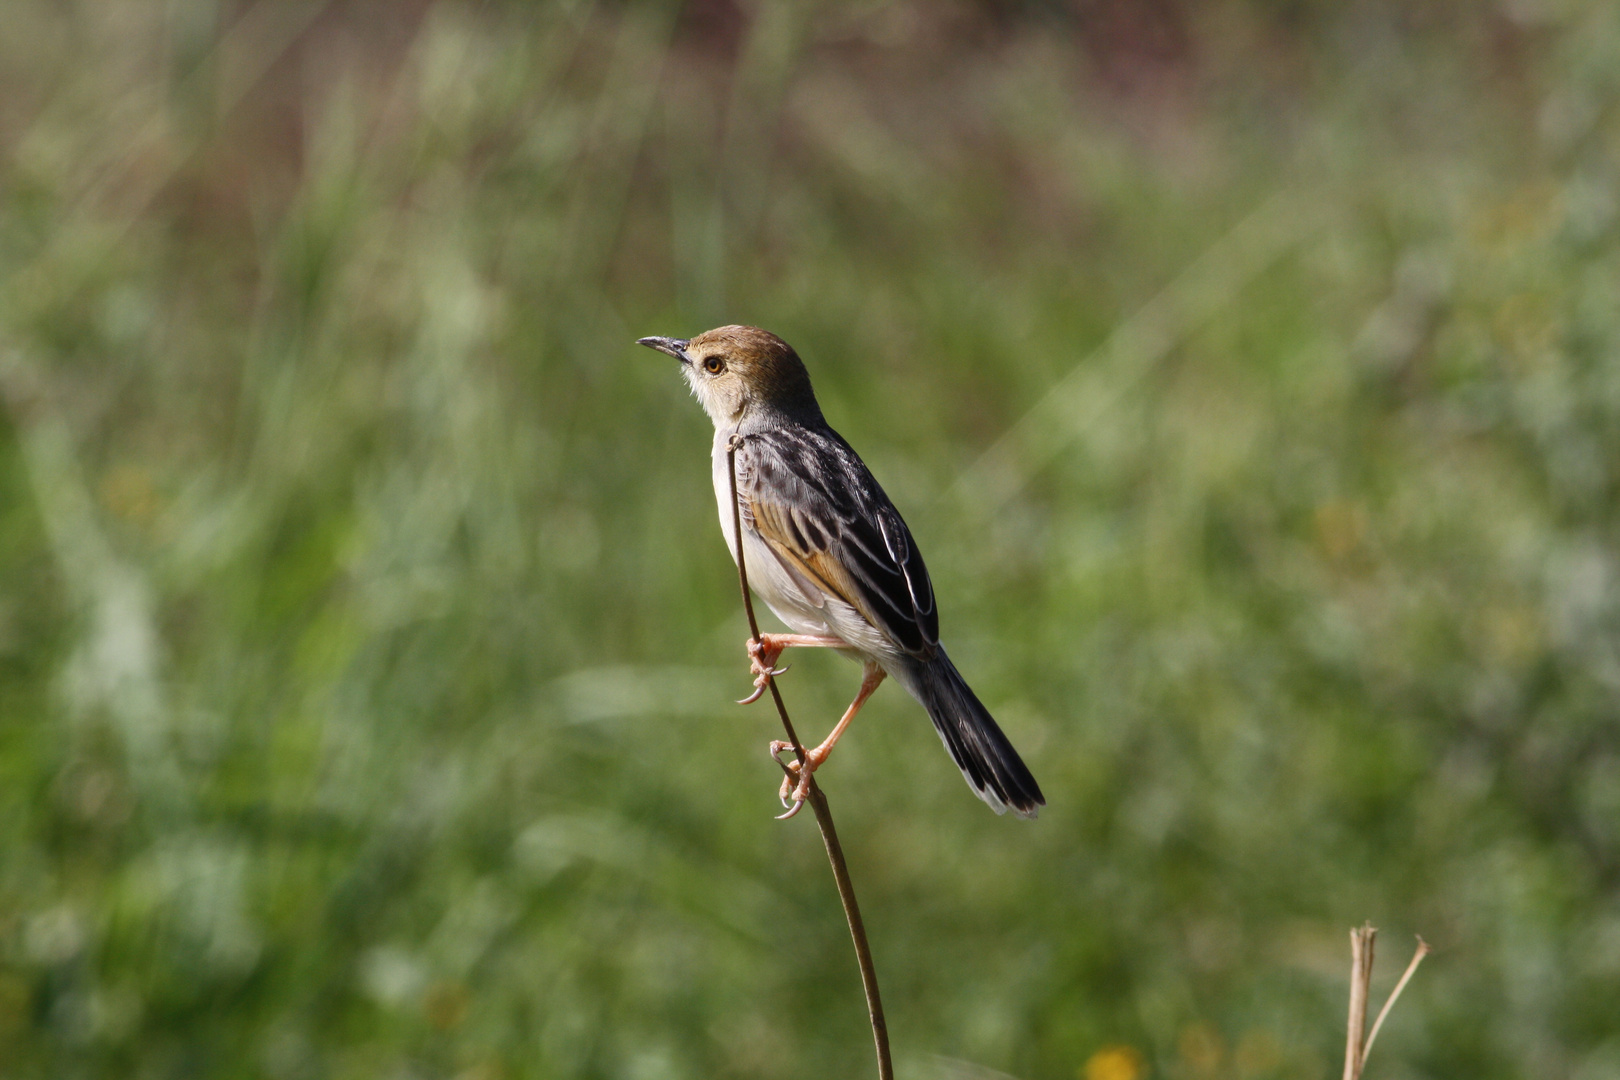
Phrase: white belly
[798,603]
[770,582]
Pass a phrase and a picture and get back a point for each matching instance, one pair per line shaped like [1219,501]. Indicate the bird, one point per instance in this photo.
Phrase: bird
[827,551]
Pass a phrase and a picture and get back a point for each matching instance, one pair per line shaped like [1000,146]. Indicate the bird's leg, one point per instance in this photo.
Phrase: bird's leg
[762,656]
[871,676]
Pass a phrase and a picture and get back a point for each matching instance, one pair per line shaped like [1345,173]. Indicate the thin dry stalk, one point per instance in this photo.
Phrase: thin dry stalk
[1356,1048]
[818,803]
[1417,958]
[1361,962]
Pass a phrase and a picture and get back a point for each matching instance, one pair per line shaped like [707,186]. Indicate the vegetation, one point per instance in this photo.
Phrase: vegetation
[1249,373]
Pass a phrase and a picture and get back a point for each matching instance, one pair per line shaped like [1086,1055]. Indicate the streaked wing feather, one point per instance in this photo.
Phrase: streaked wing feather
[820,511]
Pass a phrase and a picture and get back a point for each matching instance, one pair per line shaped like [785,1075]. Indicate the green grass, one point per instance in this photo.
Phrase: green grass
[367,640]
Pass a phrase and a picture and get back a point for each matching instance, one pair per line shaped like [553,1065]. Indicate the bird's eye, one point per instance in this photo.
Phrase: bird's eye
[714,365]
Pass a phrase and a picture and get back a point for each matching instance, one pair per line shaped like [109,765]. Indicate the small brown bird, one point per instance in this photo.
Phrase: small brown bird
[829,553]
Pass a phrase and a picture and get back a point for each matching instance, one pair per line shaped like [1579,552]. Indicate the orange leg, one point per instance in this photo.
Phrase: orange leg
[871,677]
[762,656]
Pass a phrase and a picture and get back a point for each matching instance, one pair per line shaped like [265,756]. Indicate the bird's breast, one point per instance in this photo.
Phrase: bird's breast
[767,577]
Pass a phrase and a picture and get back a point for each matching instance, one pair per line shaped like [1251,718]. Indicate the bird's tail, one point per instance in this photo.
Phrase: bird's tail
[992,767]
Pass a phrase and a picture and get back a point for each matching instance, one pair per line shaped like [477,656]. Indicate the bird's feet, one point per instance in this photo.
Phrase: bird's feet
[762,656]
[796,784]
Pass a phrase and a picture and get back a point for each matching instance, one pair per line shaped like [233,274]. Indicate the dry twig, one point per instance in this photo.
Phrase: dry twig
[1417,958]
[818,803]
[1356,1048]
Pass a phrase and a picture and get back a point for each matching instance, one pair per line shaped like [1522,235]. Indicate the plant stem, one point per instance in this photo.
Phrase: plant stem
[1417,958]
[1361,962]
[818,802]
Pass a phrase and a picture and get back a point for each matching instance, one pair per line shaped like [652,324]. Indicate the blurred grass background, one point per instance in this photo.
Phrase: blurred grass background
[1248,370]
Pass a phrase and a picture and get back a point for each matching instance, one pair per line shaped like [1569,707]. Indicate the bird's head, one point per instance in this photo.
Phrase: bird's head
[742,372]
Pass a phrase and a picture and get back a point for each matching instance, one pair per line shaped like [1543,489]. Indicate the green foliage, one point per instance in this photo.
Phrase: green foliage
[366,638]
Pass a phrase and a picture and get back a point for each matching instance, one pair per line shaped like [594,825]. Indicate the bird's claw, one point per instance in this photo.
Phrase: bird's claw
[760,663]
[792,795]
[762,679]
[761,656]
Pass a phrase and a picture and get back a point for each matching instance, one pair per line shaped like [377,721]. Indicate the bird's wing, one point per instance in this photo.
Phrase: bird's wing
[818,508]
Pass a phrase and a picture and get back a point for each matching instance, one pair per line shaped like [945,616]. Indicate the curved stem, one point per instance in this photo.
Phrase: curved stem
[818,803]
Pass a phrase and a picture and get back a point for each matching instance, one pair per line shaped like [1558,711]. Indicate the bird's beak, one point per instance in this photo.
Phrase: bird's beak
[675,347]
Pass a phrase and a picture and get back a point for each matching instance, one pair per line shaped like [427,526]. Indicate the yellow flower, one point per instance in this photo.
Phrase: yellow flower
[1115,1063]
